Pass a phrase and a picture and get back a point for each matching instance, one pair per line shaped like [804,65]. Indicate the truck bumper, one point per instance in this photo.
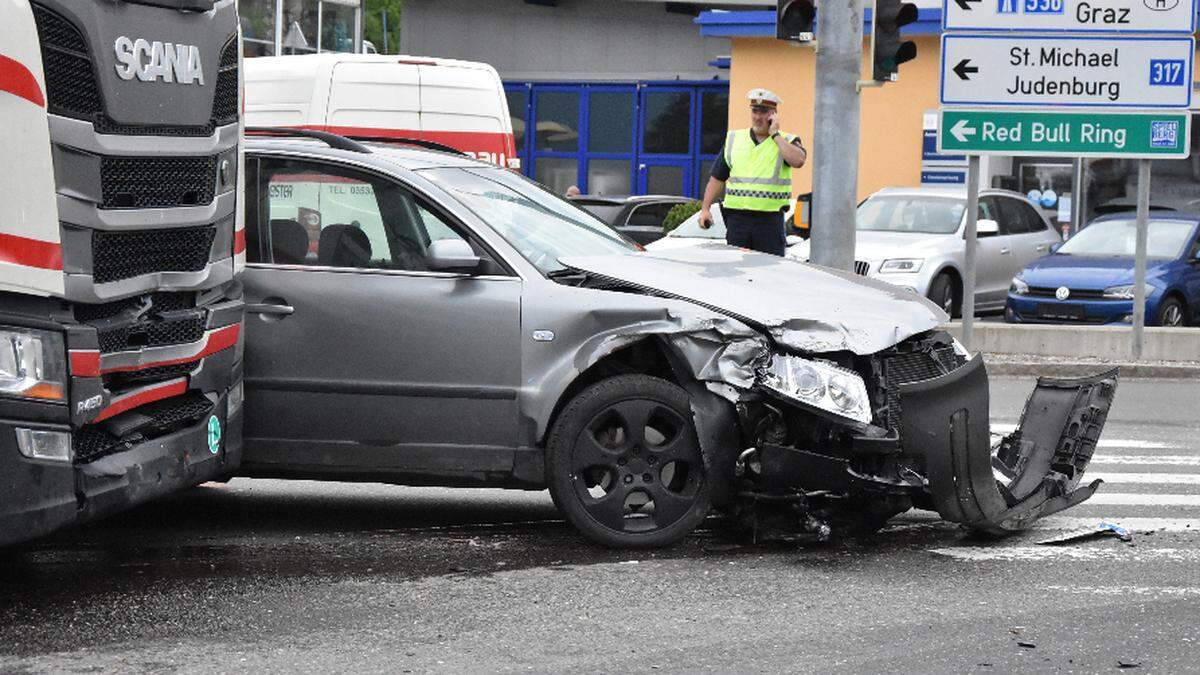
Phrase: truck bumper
[1033,472]
[44,496]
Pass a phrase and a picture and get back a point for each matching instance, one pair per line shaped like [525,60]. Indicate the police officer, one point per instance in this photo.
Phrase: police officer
[755,173]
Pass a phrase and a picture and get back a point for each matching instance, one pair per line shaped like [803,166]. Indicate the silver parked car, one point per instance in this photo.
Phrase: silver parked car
[421,318]
[914,238]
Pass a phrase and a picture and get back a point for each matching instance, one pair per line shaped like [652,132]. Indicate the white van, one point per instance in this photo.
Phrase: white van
[456,103]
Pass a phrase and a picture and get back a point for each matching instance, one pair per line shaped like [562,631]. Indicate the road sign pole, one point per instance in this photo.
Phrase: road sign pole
[835,137]
[968,292]
[1139,264]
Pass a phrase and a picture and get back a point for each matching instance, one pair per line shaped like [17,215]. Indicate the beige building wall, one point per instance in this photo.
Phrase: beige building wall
[890,150]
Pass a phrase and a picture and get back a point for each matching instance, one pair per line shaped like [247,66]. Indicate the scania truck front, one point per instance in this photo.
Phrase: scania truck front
[121,244]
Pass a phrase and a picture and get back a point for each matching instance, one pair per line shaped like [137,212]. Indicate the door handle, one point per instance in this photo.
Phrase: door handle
[1005,251]
[270,308]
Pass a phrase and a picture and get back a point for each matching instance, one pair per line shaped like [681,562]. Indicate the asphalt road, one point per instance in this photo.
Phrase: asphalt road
[310,577]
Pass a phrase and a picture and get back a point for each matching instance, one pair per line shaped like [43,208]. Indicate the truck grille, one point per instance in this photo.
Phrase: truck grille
[174,331]
[156,182]
[124,255]
[160,301]
[118,381]
[72,89]
[92,442]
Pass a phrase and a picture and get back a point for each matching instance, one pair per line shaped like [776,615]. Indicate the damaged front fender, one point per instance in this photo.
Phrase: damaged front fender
[1035,471]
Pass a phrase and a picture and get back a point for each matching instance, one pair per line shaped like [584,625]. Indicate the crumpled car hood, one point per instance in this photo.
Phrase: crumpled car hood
[803,307]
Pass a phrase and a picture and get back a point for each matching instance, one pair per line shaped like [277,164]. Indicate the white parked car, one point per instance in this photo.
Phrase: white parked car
[689,233]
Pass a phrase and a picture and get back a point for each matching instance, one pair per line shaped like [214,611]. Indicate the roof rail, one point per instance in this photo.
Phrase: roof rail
[332,140]
[430,145]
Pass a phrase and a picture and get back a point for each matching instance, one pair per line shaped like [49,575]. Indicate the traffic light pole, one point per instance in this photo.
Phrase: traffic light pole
[835,137]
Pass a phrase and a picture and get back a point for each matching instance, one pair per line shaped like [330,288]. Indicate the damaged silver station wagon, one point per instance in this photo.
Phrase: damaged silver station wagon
[420,318]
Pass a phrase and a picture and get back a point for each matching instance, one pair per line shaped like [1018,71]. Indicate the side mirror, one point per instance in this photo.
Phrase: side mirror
[987,228]
[452,255]
[1054,247]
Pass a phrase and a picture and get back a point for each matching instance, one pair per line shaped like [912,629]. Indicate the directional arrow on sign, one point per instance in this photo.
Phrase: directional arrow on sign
[966,4]
[961,131]
[965,68]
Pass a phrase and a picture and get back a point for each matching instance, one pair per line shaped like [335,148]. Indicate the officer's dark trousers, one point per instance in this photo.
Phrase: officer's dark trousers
[757,230]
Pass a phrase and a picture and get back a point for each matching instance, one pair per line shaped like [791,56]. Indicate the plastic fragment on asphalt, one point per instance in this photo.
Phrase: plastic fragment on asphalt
[1129,664]
[1027,645]
[1102,530]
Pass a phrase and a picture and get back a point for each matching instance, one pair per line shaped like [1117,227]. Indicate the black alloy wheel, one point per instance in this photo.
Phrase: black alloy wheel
[624,464]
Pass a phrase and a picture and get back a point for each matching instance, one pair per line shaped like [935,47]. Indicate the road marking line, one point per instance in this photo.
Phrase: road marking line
[1125,553]
[1160,460]
[914,520]
[1128,499]
[1175,591]
[1146,478]
[1129,443]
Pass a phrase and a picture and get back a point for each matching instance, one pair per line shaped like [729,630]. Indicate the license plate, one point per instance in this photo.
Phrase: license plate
[1060,312]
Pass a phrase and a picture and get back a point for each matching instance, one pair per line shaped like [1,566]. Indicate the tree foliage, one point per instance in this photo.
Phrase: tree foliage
[373,11]
[678,214]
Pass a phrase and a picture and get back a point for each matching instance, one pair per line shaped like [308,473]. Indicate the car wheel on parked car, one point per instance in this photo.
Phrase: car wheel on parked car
[1171,313]
[943,292]
[624,464]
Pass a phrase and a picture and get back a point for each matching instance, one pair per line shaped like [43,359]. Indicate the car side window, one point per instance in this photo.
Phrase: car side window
[649,215]
[987,209]
[1013,219]
[1033,220]
[324,215]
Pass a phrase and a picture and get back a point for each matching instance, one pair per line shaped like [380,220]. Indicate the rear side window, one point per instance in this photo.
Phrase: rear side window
[1033,220]
[650,215]
[1009,216]
[324,215]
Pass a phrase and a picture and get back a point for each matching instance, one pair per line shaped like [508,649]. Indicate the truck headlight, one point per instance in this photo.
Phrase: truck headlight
[901,265]
[821,385]
[1018,286]
[1125,292]
[33,364]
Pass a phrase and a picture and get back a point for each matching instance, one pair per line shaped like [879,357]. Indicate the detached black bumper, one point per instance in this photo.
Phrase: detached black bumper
[1035,471]
[39,496]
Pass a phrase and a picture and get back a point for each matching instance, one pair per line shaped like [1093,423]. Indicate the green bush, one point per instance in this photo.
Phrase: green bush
[678,214]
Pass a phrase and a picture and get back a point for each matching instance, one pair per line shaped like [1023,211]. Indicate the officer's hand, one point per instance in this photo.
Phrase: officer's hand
[705,219]
[774,124]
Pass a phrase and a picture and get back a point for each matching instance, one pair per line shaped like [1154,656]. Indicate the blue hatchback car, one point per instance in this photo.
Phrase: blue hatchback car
[1089,278]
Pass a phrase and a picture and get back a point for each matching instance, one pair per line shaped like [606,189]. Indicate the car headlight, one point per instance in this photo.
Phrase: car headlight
[1125,292]
[821,385]
[1018,286]
[901,265]
[33,364]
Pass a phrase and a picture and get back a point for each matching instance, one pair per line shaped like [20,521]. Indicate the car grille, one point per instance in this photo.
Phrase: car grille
[72,89]
[93,442]
[124,255]
[903,368]
[156,182]
[1076,293]
[862,267]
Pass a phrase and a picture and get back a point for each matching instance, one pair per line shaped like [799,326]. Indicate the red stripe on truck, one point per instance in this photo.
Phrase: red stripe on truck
[143,396]
[487,142]
[85,362]
[17,80]
[30,252]
[216,341]
[239,241]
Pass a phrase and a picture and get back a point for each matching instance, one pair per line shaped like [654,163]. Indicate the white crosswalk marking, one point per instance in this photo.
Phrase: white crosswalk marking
[1146,478]
[1140,499]
[1150,460]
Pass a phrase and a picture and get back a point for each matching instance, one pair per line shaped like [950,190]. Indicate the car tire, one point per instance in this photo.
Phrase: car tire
[944,293]
[1172,312]
[624,464]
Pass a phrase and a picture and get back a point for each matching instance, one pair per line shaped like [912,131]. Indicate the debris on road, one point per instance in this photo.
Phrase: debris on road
[1102,530]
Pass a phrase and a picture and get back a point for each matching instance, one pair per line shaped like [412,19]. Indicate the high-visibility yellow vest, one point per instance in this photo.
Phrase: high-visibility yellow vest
[759,179]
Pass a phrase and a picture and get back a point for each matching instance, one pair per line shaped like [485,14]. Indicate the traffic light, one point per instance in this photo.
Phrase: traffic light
[888,51]
[794,20]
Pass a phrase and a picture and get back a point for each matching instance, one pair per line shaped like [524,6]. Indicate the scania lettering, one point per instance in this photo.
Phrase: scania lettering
[151,61]
[121,243]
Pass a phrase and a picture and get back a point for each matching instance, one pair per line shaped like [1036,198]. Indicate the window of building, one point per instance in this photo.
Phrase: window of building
[668,116]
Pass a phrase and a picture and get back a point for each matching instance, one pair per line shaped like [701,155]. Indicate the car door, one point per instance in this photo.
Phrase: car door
[645,221]
[993,260]
[1035,236]
[358,358]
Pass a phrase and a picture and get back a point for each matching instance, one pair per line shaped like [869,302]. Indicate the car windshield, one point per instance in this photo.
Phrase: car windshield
[690,229]
[1164,239]
[541,225]
[898,213]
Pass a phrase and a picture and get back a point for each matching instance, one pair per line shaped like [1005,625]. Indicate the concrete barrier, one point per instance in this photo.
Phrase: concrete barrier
[1105,343]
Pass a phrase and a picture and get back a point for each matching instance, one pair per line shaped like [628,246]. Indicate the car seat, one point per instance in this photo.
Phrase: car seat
[289,242]
[343,245]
